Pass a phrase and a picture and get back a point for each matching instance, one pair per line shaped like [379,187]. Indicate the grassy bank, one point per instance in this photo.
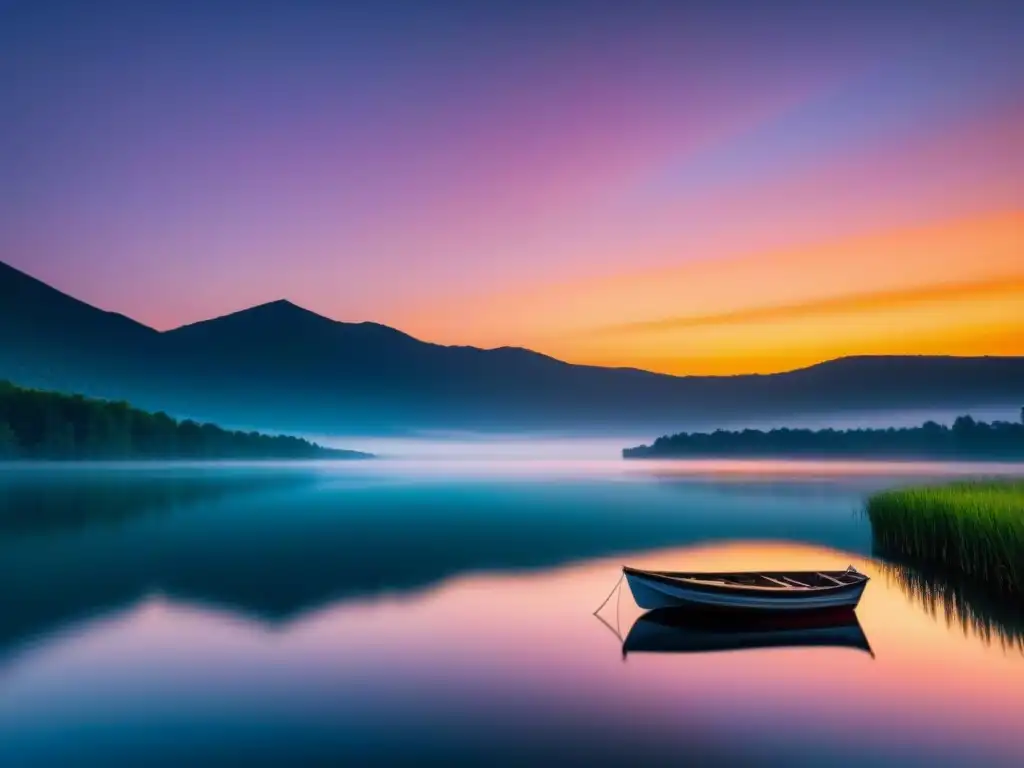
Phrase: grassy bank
[973,530]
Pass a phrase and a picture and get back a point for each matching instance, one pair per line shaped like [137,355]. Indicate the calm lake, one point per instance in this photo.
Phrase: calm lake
[392,612]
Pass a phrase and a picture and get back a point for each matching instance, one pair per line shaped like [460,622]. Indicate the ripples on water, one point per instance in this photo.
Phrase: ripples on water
[400,612]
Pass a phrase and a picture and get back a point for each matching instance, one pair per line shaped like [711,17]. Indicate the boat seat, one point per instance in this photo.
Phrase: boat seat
[833,580]
[797,583]
[776,581]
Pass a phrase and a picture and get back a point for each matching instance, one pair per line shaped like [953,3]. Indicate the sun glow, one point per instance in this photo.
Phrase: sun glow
[955,288]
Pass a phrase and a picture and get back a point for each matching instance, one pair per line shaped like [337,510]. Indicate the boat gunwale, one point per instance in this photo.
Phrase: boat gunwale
[692,579]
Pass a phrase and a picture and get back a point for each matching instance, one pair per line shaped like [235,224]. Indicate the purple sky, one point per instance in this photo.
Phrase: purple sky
[180,160]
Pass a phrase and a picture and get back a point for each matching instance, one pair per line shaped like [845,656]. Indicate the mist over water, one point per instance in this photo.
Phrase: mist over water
[904,417]
[462,447]
[545,446]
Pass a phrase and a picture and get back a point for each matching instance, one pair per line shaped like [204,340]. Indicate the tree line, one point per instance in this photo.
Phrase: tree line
[965,439]
[36,424]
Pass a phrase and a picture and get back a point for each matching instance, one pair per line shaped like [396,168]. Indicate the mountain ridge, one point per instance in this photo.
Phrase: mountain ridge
[298,309]
[278,365]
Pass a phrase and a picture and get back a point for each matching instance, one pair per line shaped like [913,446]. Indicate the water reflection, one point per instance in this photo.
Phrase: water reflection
[305,617]
[674,630]
[961,604]
[63,500]
[506,669]
[272,543]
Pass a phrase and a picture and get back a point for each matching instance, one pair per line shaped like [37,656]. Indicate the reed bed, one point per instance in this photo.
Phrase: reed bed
[972,530]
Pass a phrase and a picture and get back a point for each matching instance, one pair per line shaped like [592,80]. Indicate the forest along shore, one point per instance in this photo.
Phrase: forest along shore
[36,424]
[966,440]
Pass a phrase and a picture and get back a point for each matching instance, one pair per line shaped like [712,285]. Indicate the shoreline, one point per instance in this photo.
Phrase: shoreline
[878,457]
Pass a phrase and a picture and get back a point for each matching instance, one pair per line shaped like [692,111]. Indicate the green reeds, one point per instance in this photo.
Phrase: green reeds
[970,530]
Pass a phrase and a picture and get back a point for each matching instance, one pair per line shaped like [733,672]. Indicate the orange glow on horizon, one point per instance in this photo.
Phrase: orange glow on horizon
[955,288]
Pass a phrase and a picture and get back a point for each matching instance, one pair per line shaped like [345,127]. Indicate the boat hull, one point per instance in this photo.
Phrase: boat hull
[650,593]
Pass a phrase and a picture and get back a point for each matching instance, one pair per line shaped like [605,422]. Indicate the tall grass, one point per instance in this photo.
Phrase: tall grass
[973,530]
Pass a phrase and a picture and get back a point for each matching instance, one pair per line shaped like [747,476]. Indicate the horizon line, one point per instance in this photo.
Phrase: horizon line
[289,302]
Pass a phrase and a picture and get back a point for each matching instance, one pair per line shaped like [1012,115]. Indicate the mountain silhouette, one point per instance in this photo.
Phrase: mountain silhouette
[278,366]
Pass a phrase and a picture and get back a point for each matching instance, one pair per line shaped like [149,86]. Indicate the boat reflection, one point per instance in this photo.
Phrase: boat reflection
[681,630]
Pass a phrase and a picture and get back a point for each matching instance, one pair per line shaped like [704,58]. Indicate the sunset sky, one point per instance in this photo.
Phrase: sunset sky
[713,187]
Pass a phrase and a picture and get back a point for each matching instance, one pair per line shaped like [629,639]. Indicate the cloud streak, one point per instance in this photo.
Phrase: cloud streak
[860,302]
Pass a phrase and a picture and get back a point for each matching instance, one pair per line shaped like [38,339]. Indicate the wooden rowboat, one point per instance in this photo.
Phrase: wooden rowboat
[752,591]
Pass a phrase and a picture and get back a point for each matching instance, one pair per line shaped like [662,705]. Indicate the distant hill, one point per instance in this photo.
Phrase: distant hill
[278,366]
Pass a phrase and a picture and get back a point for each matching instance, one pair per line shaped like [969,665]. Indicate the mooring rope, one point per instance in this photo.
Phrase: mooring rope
[616,590]
[617,584]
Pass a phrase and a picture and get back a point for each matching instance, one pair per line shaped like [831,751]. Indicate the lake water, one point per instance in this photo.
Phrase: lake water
[393,612]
